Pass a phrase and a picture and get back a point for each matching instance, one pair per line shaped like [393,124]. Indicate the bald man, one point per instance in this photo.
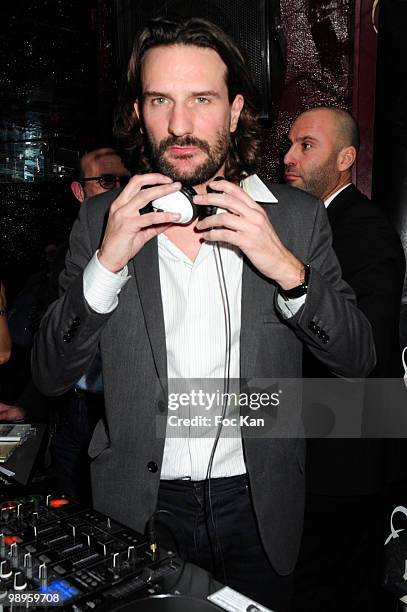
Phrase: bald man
[339,565]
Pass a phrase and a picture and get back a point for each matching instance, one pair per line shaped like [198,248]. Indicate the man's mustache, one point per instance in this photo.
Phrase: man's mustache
[186,141]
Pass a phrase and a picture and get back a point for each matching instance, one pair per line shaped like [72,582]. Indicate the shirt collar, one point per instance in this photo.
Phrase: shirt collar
[256,189]
[333,195]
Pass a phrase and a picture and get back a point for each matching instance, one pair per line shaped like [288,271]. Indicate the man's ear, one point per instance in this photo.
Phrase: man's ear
[346,158]
[235,110]
[78,191]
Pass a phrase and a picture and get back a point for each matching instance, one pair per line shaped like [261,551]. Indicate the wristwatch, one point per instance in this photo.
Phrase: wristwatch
[299,290]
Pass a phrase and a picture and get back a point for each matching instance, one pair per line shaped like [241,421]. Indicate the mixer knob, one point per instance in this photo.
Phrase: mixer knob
[5,569]
[43,574]
[28,564]
[131,554]
[116,565]
[20,583]
[116,560]
[87,537]
[8,508]
[14,554]
[102,547]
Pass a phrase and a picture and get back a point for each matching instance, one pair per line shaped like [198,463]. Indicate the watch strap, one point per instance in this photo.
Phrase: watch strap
[299,290]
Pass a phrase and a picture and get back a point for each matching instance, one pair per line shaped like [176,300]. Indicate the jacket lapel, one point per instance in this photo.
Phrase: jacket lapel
[146,274]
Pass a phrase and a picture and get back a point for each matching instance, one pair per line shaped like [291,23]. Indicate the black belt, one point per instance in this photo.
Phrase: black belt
[216,483]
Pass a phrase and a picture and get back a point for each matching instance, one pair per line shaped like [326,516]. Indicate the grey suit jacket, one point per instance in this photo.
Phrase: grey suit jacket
[127,445]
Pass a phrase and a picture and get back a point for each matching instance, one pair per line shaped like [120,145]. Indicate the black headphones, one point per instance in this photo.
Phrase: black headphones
[182,202]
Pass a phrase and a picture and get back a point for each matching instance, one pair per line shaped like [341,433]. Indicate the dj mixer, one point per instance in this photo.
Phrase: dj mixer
[54,552]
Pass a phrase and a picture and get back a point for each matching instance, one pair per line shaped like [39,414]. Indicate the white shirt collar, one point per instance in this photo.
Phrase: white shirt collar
[333,195]
[256,189]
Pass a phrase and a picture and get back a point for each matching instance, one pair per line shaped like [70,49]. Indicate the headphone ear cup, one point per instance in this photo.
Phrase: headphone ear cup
[177,202]
[181,202]
[189,193]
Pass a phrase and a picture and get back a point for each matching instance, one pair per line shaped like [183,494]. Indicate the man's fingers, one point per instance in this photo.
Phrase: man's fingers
[235,191]
[222,220]
[143,197]
[223,235]
[239,204]
[136,183]
[156,218]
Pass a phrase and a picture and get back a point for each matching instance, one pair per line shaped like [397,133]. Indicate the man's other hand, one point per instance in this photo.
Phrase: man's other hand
[11,413]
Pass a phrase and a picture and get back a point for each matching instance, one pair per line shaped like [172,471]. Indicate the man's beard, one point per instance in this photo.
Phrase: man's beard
[318,181]
[196,176]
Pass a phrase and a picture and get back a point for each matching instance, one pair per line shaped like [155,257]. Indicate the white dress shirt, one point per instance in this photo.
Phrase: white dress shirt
[195,330]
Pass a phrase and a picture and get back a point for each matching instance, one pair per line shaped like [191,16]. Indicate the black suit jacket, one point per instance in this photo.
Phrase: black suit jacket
[373,263]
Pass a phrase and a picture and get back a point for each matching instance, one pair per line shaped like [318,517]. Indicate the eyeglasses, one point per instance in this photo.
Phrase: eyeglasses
[107,181]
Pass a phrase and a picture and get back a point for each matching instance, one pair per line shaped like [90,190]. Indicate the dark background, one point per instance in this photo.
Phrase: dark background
[61,66]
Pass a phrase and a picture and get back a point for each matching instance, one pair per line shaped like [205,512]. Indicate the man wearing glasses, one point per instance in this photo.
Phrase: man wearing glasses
[99,171]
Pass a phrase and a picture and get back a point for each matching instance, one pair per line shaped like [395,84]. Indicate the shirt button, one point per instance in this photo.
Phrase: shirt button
[75,322]
[67,337]
[152,467]
[311,325]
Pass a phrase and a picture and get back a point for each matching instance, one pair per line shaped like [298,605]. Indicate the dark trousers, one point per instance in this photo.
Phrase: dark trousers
[339,566]
[228,546]
[70,442]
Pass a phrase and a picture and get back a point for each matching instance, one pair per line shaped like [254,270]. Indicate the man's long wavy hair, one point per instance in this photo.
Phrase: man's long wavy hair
[244,146]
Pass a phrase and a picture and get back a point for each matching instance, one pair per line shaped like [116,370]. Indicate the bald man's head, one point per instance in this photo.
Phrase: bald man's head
[324,144]
[346,127]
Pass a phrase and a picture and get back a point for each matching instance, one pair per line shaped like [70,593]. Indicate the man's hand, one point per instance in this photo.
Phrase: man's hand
[11,413]
[127,231]
[246,225]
